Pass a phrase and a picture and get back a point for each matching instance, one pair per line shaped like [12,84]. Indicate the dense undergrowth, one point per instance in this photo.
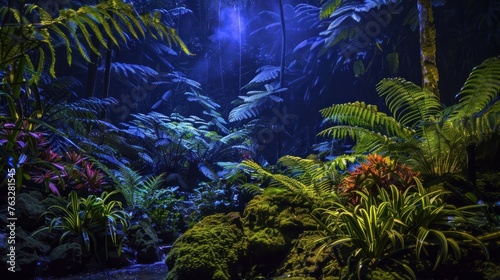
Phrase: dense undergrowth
[408,192]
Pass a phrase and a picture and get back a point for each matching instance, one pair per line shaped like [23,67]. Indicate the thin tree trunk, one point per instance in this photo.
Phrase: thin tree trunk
[92,74]
[107,77]
[283,45]
[430,74]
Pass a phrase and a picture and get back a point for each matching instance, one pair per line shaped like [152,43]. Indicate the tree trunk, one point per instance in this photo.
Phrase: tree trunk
[107,77]
[430,75]
[283,45]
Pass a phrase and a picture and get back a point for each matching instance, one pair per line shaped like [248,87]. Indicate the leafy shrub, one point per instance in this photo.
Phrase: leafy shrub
[376,172]
[84,218]
[382,226]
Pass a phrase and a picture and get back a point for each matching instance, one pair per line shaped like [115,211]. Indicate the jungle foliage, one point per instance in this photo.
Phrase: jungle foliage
[420,132]
[140,128]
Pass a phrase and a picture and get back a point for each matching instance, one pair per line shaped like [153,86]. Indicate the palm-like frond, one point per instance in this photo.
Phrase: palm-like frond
[265,75]
[255,102]
[480,90]
[364,116]
[328,7]
[409,104]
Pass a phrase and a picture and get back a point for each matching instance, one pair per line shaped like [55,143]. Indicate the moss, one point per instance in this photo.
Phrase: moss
[266,240]
[282,211]
[225,246]
[209,250]
[379,274]
[306,260]
[271,223]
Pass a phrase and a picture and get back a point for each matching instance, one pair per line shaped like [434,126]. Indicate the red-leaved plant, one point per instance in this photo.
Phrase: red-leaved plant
[35,161]
[377,171]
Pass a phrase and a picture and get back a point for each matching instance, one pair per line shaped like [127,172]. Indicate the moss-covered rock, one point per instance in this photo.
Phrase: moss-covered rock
[209,250]
[271,223]
[226,246]
[307,258]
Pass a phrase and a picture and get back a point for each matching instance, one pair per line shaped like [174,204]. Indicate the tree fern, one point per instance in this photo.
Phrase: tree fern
[427,137]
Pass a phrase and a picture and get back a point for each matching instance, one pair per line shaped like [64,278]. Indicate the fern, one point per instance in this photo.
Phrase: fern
[480,90]
[265,75]
[139,192]
[127,181]
[251,189]
[365,116]
[255,103]
[158,30]
[308,178]
[427,137]
[409,104]
[115,17]
[328,8]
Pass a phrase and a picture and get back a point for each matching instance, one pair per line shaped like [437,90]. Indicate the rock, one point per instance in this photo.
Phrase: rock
[228,246]
[271,223]
[116,260]
[52,200]
[142,237]
[27,251]
[28,211]
[212,249]
[25,240]
[66,258]
[307,258]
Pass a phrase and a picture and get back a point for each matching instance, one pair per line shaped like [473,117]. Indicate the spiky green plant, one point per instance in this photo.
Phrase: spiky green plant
[84,218]
[394,221]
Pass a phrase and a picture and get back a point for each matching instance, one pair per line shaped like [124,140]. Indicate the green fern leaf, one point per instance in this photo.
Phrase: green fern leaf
[480,89]
[408,103]
[328,8]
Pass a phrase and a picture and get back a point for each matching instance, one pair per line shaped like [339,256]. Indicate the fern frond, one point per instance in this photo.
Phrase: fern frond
[328,8]
[254,103]
[342,162]
[127,182]
[251,189]
[366,116]
[208,171]
[265,75]
[481,88]
[154,24]
[128,71]
[409,104]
